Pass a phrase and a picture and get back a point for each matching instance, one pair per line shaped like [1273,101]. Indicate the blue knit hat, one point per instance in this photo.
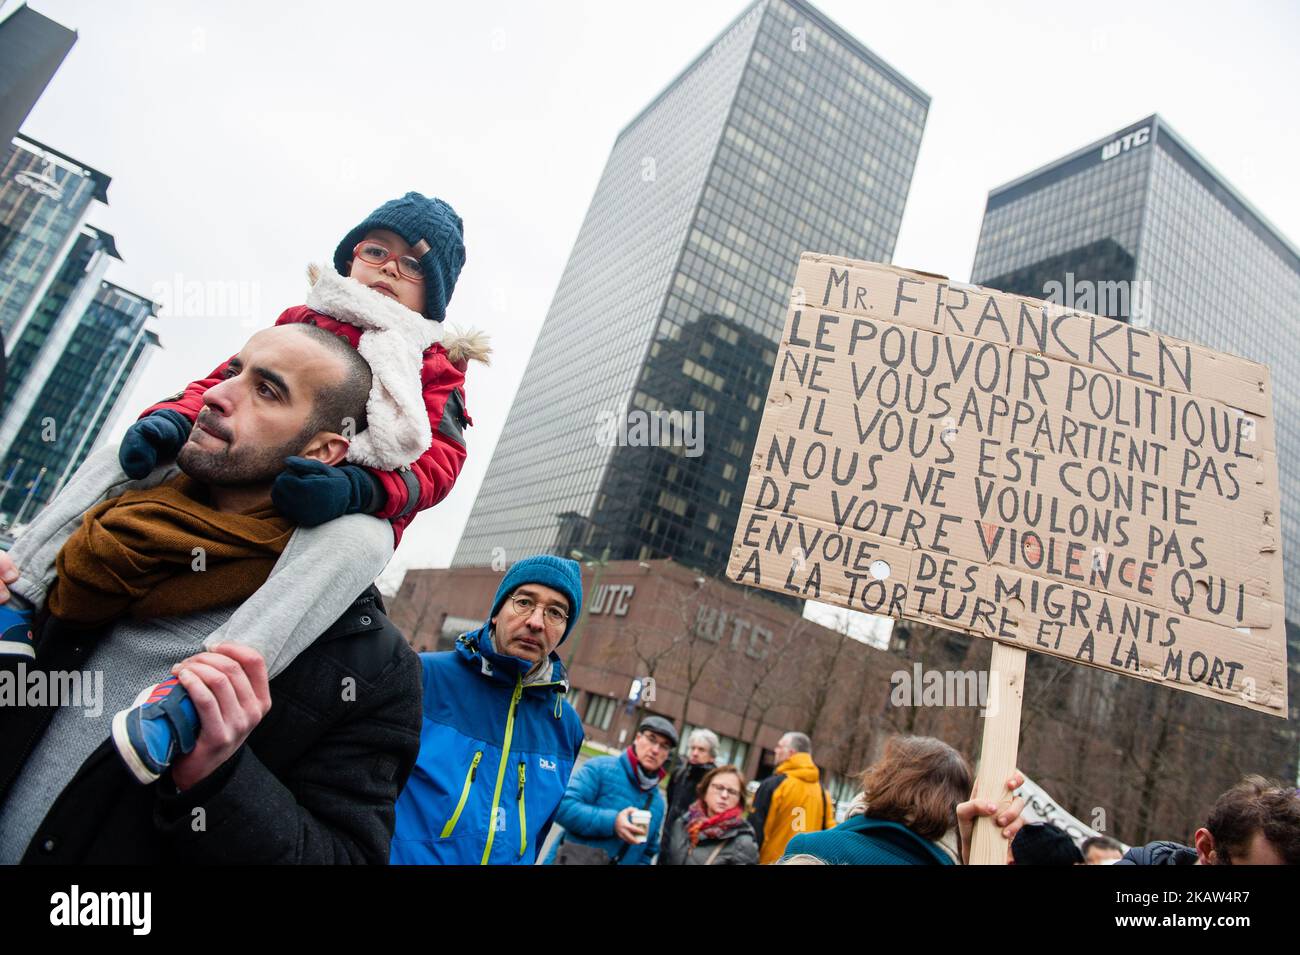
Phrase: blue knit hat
[415,217]
[558,573]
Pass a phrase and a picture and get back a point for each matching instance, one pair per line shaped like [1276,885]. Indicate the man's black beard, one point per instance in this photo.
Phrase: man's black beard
[250,467]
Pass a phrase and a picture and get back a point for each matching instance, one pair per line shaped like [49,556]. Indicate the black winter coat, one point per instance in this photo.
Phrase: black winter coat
[738,847]
[681,790]
[316,781]
[1160,853]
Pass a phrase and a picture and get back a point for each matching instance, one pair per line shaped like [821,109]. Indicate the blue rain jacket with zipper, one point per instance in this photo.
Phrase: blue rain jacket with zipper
[463,804]
[601,789]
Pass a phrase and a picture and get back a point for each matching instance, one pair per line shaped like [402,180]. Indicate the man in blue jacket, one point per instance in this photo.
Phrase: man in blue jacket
[597,810]
[499,739]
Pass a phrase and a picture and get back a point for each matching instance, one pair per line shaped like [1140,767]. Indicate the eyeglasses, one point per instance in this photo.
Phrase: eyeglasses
[725,790]
[524,606]
[655,740]
[377,254]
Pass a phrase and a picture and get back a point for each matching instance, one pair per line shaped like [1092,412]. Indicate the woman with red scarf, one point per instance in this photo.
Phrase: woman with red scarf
[714,830]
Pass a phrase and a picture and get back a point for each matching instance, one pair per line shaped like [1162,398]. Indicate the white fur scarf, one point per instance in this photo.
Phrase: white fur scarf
[393,341]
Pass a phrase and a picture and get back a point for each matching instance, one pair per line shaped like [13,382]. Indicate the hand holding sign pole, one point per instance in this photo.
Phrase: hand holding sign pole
[1047,479]
[998,751]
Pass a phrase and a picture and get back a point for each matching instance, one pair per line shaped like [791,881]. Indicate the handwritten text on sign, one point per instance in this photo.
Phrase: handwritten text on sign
[1009,468]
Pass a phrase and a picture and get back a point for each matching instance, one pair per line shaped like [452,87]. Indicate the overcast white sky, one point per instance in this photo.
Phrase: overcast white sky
[244,138]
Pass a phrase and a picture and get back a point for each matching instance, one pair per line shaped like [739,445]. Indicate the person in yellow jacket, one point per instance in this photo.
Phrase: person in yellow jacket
[791,800]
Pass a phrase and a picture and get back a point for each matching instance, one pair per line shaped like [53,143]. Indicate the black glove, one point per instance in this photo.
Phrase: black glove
[312,492]
[152,439]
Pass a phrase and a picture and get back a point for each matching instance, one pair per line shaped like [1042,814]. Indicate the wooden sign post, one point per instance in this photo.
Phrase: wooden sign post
[998,751]
[1009,468]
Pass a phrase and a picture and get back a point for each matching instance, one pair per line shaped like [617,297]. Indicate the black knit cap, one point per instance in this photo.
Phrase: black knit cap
[1041,843]
[415,217]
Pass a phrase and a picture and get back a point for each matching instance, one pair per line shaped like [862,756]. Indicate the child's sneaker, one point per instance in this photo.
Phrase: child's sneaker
[16,632]
[161,725]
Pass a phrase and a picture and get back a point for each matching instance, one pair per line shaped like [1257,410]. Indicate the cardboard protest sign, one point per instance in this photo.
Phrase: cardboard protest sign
[1010,468]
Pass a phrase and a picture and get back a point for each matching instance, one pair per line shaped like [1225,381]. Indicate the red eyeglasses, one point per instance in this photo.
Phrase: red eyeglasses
[377,254]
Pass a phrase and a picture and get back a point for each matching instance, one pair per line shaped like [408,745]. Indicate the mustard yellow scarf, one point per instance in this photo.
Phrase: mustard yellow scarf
[162,552]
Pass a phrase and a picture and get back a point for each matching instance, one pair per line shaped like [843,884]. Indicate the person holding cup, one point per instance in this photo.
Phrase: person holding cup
[613,810]
[713,830]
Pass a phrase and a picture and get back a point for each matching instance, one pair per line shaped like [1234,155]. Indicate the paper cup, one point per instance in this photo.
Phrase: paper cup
[641,819]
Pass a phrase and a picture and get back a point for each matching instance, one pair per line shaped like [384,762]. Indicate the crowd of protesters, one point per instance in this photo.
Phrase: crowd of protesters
[297,721]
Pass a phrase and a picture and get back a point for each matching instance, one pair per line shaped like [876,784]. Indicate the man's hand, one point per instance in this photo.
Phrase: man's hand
[624,829]
[231,694]
[8,574]
[1008,818]
[152,439]
[310,492]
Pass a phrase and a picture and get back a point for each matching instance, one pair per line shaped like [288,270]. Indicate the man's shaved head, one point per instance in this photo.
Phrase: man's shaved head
[289,391]
[343,402]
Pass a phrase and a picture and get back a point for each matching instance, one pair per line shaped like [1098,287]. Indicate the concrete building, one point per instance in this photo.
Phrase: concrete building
[659,637]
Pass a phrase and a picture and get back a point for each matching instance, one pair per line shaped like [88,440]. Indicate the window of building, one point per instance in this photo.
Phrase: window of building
[600,711]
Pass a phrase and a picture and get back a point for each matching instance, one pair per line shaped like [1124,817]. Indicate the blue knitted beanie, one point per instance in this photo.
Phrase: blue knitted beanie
[415,217]
[558,573]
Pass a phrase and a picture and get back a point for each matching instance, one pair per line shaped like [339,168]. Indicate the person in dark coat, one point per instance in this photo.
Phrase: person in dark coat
[701,757]
[713,830]
[314,783]
[305,767]
[1256,822]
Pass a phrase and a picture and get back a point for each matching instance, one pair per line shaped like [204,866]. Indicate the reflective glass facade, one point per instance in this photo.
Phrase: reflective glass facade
[44,199]
[1141,205]
[76,399]
[49,327]
[785,135]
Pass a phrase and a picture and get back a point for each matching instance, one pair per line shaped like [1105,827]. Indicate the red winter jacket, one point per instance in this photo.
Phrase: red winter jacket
[411,489]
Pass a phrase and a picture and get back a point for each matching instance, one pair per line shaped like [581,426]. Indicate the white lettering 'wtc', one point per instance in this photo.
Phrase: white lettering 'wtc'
[1125,143]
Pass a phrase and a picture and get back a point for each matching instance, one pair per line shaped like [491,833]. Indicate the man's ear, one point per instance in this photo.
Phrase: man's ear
[1205,851]
[327,446]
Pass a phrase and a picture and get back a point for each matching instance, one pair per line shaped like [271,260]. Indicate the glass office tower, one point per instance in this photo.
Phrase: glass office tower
[51,325]
[635,421]
[1184,254]
[32,48]
[88,377]
[45,197]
